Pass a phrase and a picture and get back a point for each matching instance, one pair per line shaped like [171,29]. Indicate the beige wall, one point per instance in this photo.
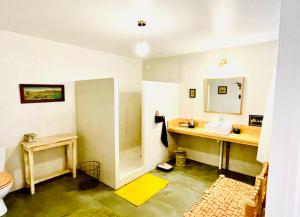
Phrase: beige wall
[25,59]
[254,62]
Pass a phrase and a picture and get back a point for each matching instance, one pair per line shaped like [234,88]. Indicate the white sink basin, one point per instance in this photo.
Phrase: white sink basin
[218,127]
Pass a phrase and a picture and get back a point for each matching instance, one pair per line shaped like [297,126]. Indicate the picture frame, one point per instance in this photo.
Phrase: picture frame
[40,93]
[222,89]
[256,120]
[192,93]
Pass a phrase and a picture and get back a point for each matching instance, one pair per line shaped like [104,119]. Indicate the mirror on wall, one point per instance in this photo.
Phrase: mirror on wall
[224,95]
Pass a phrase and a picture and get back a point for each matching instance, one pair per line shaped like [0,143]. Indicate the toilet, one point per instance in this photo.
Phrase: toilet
[6,182]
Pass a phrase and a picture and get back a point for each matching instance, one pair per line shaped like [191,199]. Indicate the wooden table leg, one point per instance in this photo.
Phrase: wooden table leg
[31,172]
[74,152]
[227,155]
[26,171]
[68,156]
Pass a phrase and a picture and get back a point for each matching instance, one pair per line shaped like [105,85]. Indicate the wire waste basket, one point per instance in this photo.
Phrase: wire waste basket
[88,174]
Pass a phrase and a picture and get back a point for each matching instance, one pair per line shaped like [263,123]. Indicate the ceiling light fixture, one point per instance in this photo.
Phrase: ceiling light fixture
[142,48]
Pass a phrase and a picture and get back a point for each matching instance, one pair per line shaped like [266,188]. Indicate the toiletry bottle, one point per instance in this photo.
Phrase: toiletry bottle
[191,123]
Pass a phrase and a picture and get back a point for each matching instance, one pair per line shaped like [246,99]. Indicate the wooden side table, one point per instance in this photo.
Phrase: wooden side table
[68,140]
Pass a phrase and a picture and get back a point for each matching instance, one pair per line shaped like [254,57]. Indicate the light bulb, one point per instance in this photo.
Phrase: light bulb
[142,48]
[223,62]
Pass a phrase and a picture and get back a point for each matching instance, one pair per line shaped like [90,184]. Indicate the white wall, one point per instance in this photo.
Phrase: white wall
[95,114]
[283,195]
[162,97]
[25,59]
[254,62]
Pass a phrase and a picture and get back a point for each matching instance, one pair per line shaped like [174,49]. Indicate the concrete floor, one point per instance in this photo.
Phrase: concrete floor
[59,197]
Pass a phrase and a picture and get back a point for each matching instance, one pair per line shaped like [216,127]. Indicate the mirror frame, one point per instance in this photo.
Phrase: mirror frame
[206,98]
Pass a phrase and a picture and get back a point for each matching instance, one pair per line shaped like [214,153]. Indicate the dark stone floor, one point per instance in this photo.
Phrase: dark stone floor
[61,196]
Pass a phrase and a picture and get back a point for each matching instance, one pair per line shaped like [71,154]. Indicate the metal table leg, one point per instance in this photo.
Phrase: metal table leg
[221,154]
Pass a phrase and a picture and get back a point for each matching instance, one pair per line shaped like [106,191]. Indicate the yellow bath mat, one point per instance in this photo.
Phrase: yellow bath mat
[142,189]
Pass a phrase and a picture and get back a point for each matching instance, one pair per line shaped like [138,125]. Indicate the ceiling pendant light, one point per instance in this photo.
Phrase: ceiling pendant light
[142,48]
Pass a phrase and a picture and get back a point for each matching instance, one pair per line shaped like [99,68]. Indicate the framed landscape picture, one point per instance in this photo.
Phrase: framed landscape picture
[256,120]
[222,89]
[37,93]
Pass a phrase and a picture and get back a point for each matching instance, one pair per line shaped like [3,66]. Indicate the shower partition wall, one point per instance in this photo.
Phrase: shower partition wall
[97,117]
[164,98]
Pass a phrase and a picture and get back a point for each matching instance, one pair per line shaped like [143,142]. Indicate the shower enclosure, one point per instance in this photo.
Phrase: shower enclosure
[101,131]
[109,128]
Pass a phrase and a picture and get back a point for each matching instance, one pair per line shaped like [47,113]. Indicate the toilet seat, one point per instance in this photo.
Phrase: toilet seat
[5,179]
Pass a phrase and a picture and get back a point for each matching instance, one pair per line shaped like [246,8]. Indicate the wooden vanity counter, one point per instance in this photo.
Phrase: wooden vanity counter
[249,134]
